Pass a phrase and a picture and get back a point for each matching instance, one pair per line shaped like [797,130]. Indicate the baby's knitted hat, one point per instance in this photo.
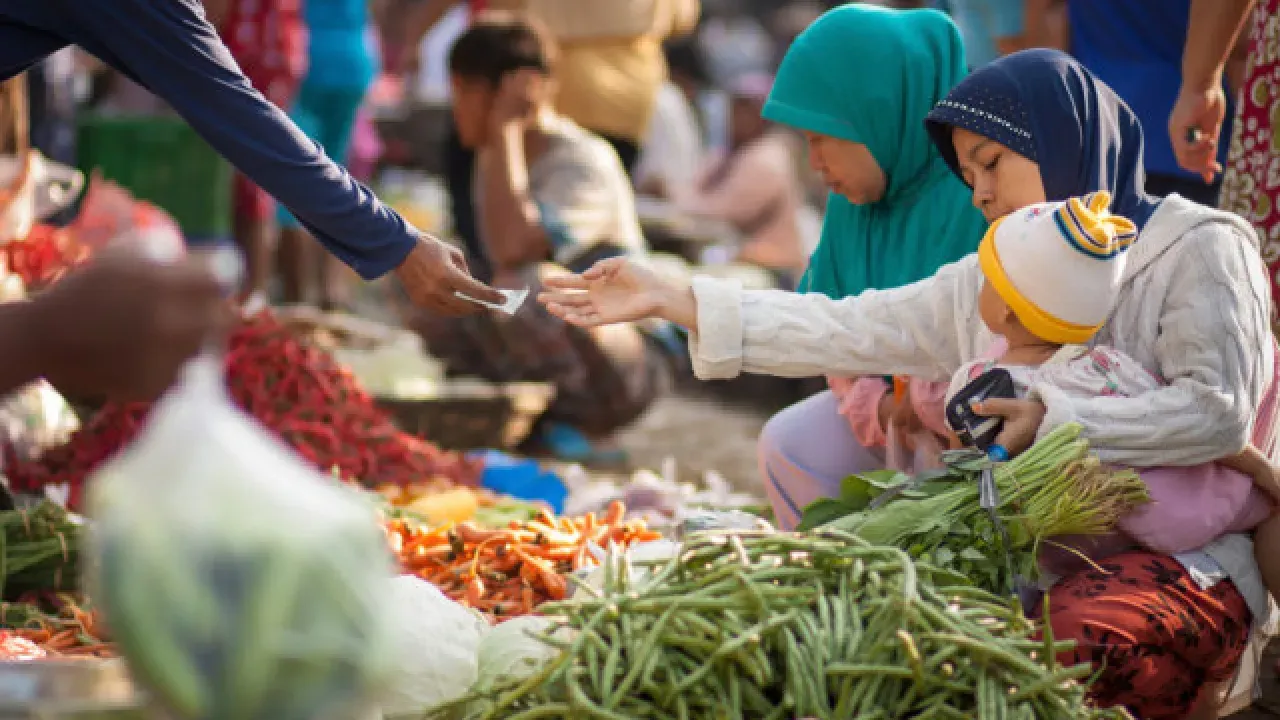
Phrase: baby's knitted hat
[1058,265]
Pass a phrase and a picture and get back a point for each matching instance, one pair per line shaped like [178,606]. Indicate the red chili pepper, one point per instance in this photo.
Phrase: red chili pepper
[298,391]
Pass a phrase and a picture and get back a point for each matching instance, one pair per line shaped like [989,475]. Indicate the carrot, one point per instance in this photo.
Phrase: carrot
[616,512]
[475,590]
[514,569]
[469,533]
[552,534]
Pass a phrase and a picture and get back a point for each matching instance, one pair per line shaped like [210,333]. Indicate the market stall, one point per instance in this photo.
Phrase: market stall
[266,541]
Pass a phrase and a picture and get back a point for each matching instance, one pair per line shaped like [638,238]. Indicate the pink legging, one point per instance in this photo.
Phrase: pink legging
[805,451]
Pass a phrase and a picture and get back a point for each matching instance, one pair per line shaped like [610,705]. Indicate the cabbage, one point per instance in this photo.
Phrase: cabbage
[511,651]
[436,648]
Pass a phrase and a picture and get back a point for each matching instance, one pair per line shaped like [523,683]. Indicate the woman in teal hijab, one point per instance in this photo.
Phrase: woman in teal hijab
[858,83]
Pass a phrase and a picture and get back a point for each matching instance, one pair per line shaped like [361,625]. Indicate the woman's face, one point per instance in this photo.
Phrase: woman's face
[1002,180]
[847,168]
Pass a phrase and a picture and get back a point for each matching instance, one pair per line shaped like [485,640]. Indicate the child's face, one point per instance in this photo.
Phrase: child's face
[847,168]
[1001,320]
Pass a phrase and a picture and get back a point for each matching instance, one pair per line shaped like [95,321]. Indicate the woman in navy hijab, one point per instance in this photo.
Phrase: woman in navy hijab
[1165,631]
[1194,310]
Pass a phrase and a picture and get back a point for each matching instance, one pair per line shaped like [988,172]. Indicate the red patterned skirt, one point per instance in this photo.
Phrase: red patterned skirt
[1156,636]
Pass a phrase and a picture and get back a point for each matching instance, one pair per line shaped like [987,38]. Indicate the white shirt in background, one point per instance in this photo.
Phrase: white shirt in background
[432,85]
[673,150]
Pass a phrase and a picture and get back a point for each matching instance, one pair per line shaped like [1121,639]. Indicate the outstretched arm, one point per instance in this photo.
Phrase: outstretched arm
[926,329]
[170,48]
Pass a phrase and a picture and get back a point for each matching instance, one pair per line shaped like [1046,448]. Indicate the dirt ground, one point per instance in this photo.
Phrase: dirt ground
[702,434]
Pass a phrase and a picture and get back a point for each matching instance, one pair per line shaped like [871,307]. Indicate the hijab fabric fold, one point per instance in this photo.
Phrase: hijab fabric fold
[1047,106]
[870,75]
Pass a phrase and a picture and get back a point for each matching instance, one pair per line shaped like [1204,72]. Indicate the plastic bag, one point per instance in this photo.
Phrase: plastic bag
[437,648]
[238,582]
[111,216]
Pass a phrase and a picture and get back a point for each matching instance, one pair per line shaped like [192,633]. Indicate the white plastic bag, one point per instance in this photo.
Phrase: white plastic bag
[238,582]
[437,649]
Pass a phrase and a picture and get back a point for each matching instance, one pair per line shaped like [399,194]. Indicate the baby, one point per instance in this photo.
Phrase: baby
[1052,272]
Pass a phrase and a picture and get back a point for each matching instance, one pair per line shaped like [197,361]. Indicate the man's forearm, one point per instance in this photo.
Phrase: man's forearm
[1211,33]
[512,234]
[20,338]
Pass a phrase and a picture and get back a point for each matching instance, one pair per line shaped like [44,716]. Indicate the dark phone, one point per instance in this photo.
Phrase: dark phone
[973,429]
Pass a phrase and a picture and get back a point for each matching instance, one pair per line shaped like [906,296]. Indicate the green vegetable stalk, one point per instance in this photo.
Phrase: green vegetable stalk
[1056,488]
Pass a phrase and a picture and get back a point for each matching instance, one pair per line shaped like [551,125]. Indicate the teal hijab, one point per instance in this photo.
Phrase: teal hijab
[870,75]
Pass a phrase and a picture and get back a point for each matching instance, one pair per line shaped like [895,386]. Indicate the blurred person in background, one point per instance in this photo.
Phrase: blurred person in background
[736,44]
[753,187]
[674,147]
[342,62]
[418,19]
[1136,47]
[547,191]
[991,28]
[608,82]
[268,40]
[608,85]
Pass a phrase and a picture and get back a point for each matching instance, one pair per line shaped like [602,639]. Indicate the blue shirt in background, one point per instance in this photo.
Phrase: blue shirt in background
[1135,46]
[981,22]
[169,48]
[341,48]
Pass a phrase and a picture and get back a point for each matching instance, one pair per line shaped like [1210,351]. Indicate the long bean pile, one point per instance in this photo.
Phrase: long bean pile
[784,626]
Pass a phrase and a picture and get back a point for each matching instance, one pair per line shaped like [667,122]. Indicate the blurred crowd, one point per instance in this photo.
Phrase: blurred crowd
[573,132]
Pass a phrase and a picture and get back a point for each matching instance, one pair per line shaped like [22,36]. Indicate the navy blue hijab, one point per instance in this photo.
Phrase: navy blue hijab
[1047,107]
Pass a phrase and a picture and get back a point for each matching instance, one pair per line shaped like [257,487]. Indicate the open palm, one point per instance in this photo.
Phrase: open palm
[613,291]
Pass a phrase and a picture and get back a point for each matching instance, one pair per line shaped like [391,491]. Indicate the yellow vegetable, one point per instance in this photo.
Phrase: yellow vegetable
[457,505]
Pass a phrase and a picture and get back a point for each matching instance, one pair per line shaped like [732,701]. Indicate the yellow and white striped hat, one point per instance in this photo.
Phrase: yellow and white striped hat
[1059,265]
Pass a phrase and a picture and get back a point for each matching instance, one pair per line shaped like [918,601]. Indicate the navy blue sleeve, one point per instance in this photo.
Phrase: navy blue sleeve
[169,48]
[22,46]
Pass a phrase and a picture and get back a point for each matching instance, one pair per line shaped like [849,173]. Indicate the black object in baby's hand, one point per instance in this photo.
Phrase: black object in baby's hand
[973,429]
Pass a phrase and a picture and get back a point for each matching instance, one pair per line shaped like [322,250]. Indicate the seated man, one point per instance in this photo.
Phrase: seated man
[546,191]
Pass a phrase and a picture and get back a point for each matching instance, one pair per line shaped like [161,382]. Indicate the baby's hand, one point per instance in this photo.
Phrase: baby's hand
[617,290]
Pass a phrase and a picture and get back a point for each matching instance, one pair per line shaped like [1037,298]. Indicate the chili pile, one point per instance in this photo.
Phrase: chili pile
[296,390]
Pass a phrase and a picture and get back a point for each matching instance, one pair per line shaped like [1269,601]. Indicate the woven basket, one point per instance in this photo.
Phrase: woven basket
[465,418]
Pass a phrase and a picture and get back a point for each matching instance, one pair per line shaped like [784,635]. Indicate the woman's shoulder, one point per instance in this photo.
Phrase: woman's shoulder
[1185,238]
[1178,219]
